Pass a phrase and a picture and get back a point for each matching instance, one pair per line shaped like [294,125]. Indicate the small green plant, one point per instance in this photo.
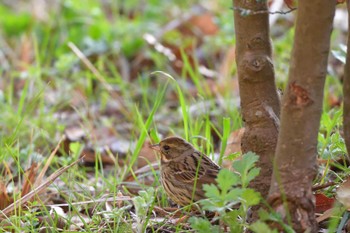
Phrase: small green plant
[203,225]
[261,225]
[143,203]
[230,198]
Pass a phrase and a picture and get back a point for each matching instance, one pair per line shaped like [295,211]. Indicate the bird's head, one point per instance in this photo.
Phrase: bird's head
[173,147]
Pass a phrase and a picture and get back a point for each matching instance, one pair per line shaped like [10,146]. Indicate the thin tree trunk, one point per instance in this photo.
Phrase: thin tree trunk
[259,99]
[346,93]
[295,159]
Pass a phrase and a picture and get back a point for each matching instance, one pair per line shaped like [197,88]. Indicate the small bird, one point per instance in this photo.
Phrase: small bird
[184,170]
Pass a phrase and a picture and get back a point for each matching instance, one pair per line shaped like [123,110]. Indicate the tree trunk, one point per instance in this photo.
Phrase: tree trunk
[295,159]
[259,99]
[346,93]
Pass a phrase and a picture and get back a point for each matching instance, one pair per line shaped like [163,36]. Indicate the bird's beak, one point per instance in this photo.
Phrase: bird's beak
[155,147]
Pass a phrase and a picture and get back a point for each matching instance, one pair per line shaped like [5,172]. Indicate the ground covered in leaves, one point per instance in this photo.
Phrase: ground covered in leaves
[87,86]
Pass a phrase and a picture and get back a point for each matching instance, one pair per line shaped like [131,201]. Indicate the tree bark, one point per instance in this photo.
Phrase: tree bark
[346,93]
[259,99]
[295,159]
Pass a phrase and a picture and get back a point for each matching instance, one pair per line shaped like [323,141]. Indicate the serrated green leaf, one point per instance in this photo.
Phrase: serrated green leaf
[233,156]
[247,162]
[244,165]
[231,219]
[226,179]
[254,172]
[211,191]
[261,227]
[233,195]
[213,205]
[147,195]
[263,215]
[139,204]
[251,197]
[202,225]
[274,217]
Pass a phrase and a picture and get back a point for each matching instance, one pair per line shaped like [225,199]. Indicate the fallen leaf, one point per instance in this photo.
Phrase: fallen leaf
[24,199]
[234,142]
[343,194]
[323,202]
[205,23]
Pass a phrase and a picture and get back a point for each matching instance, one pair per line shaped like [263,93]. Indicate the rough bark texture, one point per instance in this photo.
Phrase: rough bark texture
[346,91]
[259,99]
[295,158]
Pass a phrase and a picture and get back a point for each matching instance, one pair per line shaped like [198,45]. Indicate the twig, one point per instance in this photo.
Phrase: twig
[248,12]
[35,191]
[322,186]
[111,199]
[47,164]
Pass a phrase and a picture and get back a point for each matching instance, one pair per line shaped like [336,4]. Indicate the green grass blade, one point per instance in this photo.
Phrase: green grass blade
[225,134]
[145,127]
[183,105]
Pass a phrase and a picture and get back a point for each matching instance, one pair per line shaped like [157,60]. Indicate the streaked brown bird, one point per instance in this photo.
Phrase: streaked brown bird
[183,169]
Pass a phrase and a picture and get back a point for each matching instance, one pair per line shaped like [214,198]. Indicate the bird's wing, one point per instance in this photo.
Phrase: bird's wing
[197,165]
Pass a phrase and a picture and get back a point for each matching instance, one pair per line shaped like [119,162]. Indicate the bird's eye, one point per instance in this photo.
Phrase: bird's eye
[166,147]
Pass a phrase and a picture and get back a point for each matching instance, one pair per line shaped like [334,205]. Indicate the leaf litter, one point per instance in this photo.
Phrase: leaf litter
[105,131]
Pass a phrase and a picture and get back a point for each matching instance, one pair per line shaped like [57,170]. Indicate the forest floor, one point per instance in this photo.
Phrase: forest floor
[87,86]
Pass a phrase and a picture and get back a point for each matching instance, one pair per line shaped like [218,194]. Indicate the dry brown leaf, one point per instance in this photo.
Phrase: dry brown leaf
[323,202]
[143,170]
[89,155]
[29,178]
[54,221]
[24,199]
[74,133]
[78,222]
[290,3]
[234,142]
[47,164]
[340,1]
[26,52]
[205,23]
[233,146]
[146,155]
[226,65]
[327,214]
[5,200]
[343,194]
